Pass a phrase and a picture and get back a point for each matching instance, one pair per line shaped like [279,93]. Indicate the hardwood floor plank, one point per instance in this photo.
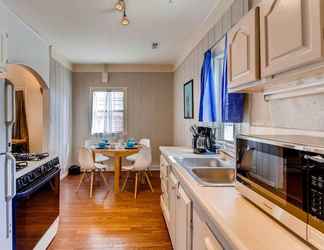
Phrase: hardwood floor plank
[109,220]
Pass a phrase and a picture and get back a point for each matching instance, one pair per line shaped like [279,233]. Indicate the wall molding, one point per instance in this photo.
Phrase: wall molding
[126,68]
[57,56]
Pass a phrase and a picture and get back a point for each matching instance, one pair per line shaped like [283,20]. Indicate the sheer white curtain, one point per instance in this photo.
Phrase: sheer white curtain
[108,116]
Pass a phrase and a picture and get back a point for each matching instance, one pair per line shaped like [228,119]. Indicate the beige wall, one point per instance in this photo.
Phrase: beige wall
[149,111]
[26,81]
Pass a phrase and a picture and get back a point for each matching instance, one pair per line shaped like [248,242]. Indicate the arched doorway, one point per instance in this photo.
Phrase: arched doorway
[30,85]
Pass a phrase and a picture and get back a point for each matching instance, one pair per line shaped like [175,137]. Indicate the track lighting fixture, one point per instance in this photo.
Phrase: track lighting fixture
[125,20]
[120,5]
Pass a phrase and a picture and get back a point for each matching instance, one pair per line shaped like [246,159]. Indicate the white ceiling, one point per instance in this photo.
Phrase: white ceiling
[90,32]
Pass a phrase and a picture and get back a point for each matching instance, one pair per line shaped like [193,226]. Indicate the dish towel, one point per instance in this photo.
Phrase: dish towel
[207,107]
[232,103]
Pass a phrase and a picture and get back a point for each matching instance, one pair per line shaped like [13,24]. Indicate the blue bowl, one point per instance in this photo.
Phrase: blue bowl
[102,145]
[130,144]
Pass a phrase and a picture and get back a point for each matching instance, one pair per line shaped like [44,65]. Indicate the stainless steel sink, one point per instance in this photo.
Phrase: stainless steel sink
[223,176]
[201,162]
[211,171]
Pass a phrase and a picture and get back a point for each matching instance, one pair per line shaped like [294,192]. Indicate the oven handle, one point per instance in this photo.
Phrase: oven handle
[37,185]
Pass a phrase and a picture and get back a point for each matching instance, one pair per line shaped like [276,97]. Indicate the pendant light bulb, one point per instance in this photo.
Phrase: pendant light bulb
[125,20]
[120,5]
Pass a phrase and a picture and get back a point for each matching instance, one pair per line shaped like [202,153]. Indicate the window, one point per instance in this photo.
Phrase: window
[108,111]
[226,131]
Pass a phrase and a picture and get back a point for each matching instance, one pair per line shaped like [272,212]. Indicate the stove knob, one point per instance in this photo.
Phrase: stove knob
[25,180]
[31,177]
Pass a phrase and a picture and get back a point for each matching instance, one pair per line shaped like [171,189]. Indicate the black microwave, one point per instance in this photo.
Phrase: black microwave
[284,176]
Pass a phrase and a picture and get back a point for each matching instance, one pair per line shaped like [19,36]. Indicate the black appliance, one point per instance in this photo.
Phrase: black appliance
[30,156]
[284,178]
[203,140]
[36,204]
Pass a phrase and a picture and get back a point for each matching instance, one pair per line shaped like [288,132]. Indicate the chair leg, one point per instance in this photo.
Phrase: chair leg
[91,183]
[81,180]
[125,182]
[150,172]
[148,181]
[136,185]
[104,178]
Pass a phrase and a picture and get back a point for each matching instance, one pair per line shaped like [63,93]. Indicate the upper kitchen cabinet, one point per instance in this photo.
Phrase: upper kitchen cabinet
[27,48]
[243,50]
[291,33]
[3,37]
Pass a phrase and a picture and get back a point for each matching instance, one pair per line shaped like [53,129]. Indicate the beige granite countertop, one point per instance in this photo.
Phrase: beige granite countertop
[240,223]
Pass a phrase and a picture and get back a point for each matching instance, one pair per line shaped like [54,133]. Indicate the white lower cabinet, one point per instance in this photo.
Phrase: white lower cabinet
[187,231]
[202,237]
[172,194]
[183,221]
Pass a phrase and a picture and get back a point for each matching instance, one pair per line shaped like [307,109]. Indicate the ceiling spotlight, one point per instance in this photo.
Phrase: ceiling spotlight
[125,20]
[120,5]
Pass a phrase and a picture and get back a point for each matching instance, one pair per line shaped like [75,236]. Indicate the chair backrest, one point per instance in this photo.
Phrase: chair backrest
[86,159]
[144,159]
[146,142]
[91,142]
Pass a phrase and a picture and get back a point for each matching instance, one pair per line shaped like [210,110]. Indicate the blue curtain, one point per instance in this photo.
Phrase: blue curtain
[207,108]
[232,103]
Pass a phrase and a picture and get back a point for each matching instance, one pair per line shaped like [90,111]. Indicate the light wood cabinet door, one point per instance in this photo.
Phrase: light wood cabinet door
[291,34]
[243,50]
[183,221]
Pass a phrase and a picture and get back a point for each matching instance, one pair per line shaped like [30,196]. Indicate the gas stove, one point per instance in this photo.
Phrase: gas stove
[30,156]
[22,159]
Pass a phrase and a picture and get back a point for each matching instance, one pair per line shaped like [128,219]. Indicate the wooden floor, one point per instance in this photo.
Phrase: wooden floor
[108,220]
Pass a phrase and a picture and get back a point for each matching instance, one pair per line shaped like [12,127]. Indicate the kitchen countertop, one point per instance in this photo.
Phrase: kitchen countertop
[239,223]
[33,165]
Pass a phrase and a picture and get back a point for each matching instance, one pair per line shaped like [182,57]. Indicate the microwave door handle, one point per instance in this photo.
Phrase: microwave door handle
[10,187]
[318,158]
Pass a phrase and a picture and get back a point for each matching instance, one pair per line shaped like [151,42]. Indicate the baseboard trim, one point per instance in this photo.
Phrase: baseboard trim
[63,175]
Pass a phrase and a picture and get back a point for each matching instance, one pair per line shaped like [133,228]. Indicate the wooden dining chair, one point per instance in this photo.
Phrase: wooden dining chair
[90,167]
[140,167]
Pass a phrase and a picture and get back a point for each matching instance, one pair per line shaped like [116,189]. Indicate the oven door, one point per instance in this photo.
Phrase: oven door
[276,173]
[35,208]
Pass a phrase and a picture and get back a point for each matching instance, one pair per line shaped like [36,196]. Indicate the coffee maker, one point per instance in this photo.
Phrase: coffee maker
[204,140]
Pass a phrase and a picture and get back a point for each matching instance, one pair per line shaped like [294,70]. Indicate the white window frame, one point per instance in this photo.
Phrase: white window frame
[107,89]
[218,54]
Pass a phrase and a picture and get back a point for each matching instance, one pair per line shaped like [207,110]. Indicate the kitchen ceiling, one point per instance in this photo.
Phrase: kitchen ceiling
[90,31]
